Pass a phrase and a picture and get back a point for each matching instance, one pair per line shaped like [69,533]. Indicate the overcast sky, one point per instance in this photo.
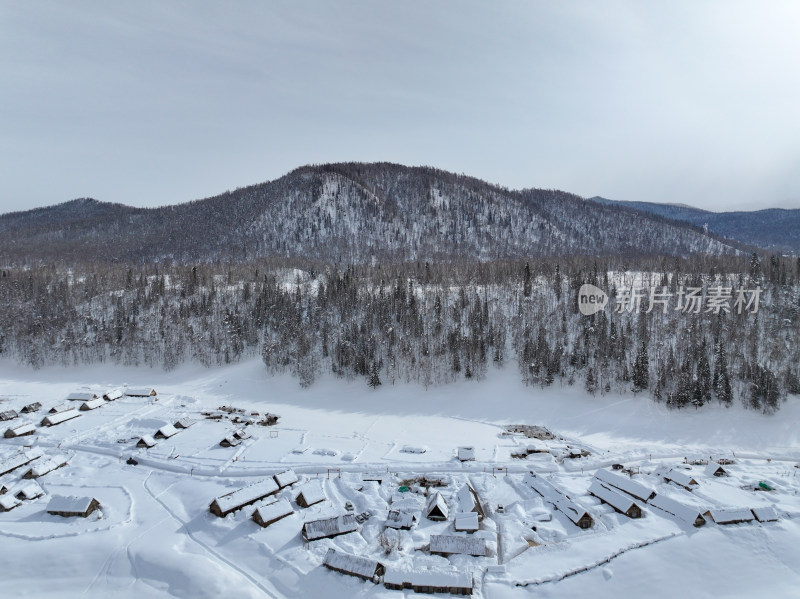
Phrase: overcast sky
[153,103]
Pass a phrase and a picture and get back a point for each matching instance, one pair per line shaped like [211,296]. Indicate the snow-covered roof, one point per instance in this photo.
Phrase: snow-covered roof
[687,513]
[81,396]
[8,415]
[611,496]
[467,521]
[93,404]
[312,492]
[765,513]
[242,433]
[285,478]
[42,467]
[354,564]
[437,501]
[8,502]
[466,453]
[62,407]
[558,498]
[275,510]
[30,490]
[184,422]
[147,440]
[32,407]
[453,544]
[730,515]
[230,440]
[140,391]
[22,429]
[680,477]
[398,519]
[713,469]
[113,394]
[167,431]
[69,503]
[466,498]
[60,417]
[16,461]
[428,578]
[240,497]
[328,527]
[625,483]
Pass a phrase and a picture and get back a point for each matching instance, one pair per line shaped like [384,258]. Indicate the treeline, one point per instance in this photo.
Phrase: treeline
[432,323]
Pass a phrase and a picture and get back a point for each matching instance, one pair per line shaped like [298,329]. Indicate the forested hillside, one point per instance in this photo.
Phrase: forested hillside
[350,214]
[430,323]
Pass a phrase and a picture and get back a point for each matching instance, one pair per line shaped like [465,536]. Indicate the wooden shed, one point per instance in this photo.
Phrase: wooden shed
[436,508]
[272,512]
[765,513]
[8,415]
[429,581]
[8,503]
[113,394]
[165,432]
[230,441]
[686,513]
[70,506]
[329,527]
[560,500]
[616,499]
[285,479]
[730,515]
[353,565]
[29,491]
[62,407]
[17,461]
[681,478]
[715,469]
[81,396]
[400,519]
[626,484]
[146,442]
[449,544]
[466,453]
[184,422]
[311,493]
[466,522]
[42,467]
[468,500]
[32,407]
[140,392]
[235,500]
[20,431]
[58,418]
[92,404]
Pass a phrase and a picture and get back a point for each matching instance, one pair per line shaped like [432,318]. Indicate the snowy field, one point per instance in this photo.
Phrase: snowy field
[154,536]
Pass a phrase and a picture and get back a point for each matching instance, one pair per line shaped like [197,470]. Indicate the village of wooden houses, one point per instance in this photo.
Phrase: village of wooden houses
[280,504]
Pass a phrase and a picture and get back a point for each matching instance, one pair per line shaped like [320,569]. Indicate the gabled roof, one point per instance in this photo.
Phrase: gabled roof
[462,545]
[167,431]
[69,504]
[241,497]
[81,396]
[8,415]
[230,440]
[184,422]
[8,502]
[560,500]
[42,467]
[274,511]
[624,483]
[312,492]
[113,394]
[285,478]
[686,513]
[466,522]
[32,407]
[30,490]
[466,453]
[19,431]
[18,460]
[329,527]
[437,507]
[93,404]
[612,497]
[351,564]
[147,441]
[730,515]
[466,498]
[680,477]
[714,469]
[62,407]
[60,417]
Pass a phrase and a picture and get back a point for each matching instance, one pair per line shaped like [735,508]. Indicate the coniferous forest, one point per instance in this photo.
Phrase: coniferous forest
[683,331]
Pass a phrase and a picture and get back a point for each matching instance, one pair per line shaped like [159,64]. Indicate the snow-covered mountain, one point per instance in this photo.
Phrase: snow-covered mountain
[352,212]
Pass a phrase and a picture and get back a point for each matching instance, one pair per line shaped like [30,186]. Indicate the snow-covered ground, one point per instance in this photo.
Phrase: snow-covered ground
[154,535]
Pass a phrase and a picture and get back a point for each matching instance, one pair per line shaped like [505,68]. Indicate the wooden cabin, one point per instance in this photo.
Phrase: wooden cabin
[429,581]
[310,494]
[69,506]
[32,407]
[329,527]
[448,544]
[59,417]
[616,499]
[146,442]
[353,565]
[436,508]
[20,431]
[235,500]
[272,512]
